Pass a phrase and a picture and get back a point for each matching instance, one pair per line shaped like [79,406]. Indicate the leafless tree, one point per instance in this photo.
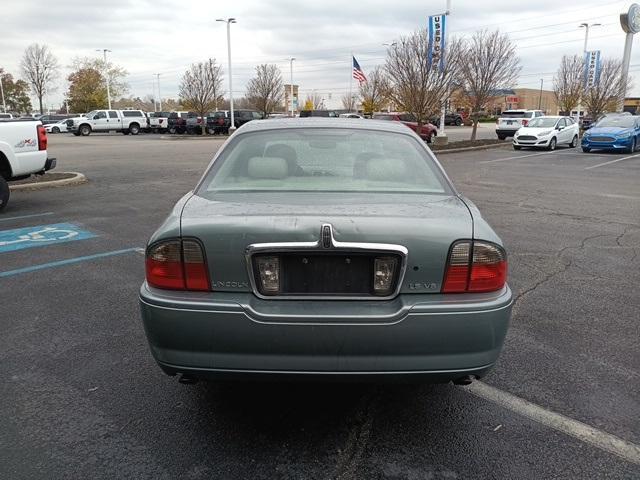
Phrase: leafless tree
[568,81]
[313,101]
[350,102]
[201,88]
[375,91]
[417,85]
[490,62]
[608,90]
[266,91]
[40,67]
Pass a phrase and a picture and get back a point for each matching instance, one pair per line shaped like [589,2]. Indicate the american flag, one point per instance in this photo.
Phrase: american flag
[358,74]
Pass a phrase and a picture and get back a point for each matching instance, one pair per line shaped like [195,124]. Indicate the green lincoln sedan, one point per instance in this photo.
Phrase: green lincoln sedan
[325,248]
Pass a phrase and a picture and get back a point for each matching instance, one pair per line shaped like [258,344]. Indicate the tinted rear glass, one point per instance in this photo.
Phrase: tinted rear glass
[324,160]
[514,115]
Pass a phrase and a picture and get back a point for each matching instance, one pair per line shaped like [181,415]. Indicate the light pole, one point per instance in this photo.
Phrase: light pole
[159,94]
[540,96]
[229,21]
[586,27]
[106,74]
[291,84]
[443,111]
[4,105]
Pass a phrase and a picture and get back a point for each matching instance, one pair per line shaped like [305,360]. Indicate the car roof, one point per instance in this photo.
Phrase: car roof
[325,122]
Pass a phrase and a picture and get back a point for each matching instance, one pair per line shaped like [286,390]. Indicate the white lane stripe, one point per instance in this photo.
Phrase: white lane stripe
[583,432]
[26,216]
[515,158]
[612,161]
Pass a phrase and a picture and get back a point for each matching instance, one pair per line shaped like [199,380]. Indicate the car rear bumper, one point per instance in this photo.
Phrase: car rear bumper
[509,132]
[414,335]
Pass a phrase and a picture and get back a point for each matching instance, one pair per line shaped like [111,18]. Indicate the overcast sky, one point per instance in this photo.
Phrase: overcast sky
[165,36]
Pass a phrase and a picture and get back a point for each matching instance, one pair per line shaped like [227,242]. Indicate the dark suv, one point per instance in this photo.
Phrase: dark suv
[177,122]
[450,118]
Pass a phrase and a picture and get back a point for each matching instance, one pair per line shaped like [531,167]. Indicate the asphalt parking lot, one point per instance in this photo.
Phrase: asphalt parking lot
[80,396]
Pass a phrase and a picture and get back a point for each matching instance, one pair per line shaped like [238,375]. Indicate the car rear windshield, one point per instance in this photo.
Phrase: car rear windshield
[324,160]
[515,115]
[159,114]
[621,121]
[383,117]
[543,122]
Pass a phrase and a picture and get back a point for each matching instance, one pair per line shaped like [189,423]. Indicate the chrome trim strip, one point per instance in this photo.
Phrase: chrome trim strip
[318,246]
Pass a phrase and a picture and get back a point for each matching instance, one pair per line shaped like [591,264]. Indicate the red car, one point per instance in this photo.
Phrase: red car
[426,132]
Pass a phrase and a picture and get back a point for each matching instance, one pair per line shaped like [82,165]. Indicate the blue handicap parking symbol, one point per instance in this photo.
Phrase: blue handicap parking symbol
[41,235]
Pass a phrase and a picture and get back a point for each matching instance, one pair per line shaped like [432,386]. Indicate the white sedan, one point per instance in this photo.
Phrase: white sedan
[547,132]
[59,127]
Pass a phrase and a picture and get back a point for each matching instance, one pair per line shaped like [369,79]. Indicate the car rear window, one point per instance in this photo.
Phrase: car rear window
[383,117]
[515,114]
[324,160]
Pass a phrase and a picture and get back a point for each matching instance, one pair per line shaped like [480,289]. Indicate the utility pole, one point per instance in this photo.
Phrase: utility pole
[229,21]
[540,96]
[159,94]
[4,105]
[106,74]
[291,84]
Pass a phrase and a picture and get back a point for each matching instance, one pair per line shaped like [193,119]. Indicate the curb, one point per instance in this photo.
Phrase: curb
[77,179]
[470,149]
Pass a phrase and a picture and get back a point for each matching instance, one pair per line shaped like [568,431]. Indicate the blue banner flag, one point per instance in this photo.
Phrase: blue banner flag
[591,69]
[437,28]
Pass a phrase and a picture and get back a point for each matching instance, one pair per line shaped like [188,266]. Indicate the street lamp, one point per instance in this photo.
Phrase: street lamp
[291,83]
[540,96]
[4,105]
[586,27]
[106,76]
[229,21]
[159,94]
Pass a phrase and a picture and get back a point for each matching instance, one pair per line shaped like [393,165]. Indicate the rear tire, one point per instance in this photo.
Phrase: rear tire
[134,129]
[574,142]
[552,144]
[458,122]
[4,193]
[586,149]
[85,130]
[172,130]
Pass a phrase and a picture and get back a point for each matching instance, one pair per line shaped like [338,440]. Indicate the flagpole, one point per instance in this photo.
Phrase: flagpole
[350,81]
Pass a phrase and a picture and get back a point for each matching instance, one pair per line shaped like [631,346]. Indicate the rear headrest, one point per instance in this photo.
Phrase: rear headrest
[386,169]
[267,167]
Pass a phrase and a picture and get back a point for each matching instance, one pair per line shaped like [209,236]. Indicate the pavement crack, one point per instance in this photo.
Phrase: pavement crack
[351,455]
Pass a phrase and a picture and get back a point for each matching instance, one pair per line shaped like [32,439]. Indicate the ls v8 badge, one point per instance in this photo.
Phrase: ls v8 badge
[423,286]
[29,142]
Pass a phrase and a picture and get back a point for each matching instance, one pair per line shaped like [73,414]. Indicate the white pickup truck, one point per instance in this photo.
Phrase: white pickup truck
[23,151]
[125,121]
[159,121]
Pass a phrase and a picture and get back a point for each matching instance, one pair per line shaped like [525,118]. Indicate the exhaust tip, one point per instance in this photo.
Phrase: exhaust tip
[466,380]
[187,379]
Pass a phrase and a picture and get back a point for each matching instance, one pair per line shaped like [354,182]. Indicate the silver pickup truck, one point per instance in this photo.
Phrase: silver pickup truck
[23,152]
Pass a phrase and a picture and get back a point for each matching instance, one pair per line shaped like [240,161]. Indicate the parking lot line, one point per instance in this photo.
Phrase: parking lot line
[516,157]
[70,261]
[612,161]
[25,216]
[583,432]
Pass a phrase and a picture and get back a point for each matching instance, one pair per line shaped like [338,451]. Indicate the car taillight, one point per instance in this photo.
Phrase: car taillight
[475,266]
[42,138]
[177,265]
[525,123]
[199,120]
